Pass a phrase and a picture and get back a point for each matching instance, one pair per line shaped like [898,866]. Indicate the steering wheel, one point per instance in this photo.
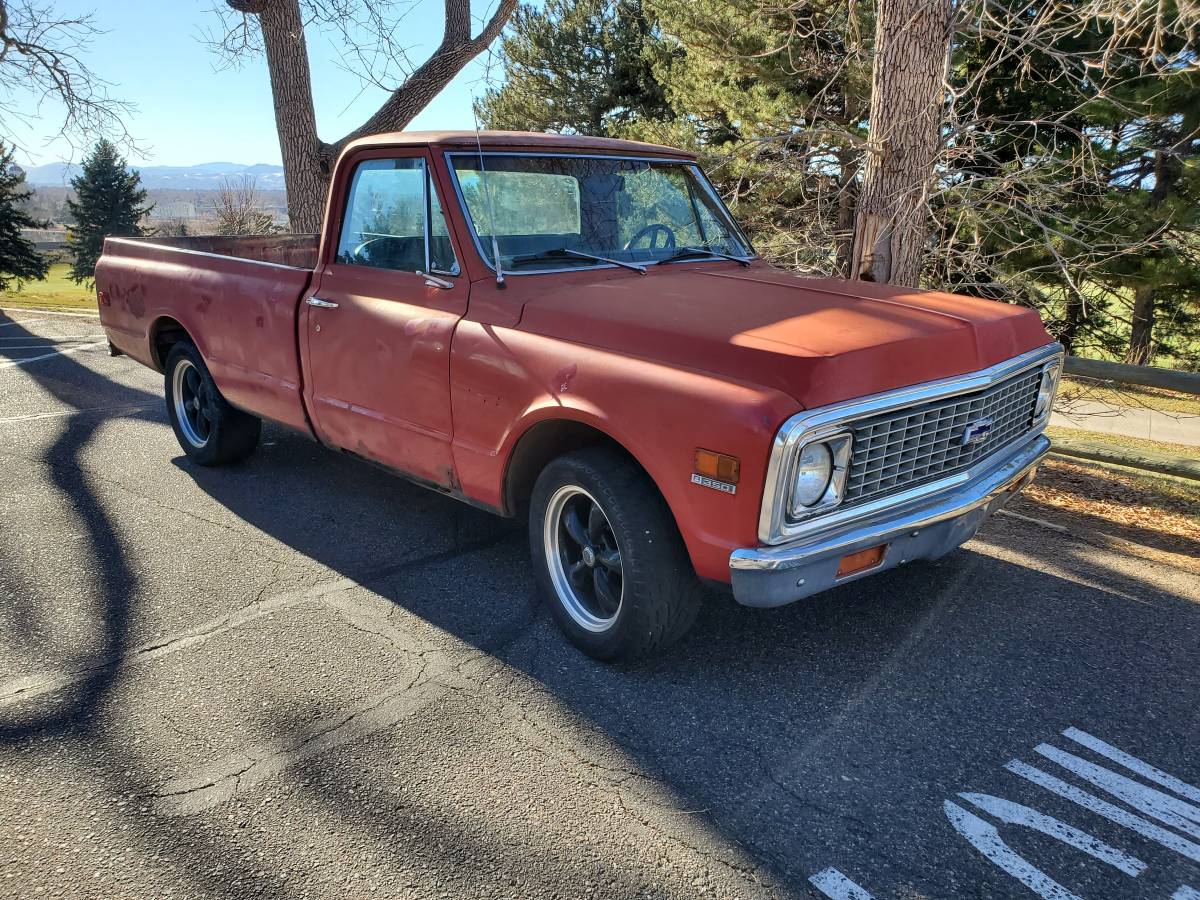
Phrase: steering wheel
[651,233]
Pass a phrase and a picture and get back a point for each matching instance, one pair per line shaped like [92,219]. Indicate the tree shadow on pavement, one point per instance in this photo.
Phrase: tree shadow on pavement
[68,381]
[824,733]
[785,724]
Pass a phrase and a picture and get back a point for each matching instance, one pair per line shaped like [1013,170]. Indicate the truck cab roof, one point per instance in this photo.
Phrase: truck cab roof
[530,141]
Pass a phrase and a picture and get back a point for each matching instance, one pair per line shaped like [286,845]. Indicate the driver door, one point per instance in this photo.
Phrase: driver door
[377,329]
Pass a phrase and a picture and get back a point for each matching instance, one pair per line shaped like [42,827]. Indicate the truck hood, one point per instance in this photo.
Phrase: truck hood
[819,340]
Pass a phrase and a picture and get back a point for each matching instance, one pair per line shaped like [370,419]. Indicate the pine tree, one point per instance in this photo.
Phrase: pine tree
[19,260]
[582,66]
[108,202]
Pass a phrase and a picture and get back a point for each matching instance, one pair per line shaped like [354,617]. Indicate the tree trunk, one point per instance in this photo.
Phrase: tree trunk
[307,160]
[1074,316]
[305,166]
[1140,349]
[912,48]
[847,203]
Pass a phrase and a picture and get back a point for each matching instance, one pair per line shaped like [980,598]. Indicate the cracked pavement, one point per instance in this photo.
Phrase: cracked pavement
[299,677]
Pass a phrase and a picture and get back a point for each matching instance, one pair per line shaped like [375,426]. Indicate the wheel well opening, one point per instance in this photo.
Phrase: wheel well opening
[166,334]
[541,444]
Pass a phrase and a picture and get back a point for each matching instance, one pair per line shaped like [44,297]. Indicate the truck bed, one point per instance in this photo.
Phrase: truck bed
[296,250]
[236,297]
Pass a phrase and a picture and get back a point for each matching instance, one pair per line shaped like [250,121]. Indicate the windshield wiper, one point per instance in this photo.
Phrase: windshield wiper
[560,252]
[694,252]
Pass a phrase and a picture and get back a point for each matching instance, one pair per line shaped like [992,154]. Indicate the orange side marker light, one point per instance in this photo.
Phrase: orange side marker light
[853,563]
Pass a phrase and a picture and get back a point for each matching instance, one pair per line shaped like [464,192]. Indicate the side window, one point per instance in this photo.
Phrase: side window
[441,251]
[385,226]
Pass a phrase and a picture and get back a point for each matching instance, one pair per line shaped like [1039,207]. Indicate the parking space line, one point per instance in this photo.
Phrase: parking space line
[6,420]
[1147,771]
[56,343]
[1179,815]
[1092,803]
[833,883]
[49,312]
[21,362]
[22,322]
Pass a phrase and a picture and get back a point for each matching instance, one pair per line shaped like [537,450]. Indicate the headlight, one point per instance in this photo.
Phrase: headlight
[814,468]
[819,476]
[1046,391]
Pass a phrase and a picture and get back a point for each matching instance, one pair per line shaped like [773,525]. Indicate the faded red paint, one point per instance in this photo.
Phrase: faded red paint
[442,384]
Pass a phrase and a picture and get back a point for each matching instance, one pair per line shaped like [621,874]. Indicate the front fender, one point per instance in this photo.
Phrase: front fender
[504,382]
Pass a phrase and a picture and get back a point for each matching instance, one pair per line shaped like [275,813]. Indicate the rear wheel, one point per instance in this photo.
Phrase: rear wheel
[608,556]
[209,430]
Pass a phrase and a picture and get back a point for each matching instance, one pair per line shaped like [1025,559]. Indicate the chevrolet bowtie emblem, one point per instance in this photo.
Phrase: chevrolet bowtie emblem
[976,432]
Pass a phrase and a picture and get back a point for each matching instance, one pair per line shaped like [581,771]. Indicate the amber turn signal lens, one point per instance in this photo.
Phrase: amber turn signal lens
[718,466]
[861,561]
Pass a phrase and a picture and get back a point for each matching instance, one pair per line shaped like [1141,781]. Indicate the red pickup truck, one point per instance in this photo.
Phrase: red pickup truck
[577,330]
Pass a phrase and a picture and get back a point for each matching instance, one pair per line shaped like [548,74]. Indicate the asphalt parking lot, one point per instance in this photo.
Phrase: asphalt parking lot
[301,677]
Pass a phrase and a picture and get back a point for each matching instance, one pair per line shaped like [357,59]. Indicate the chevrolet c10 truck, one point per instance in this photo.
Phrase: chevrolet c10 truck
[576,330]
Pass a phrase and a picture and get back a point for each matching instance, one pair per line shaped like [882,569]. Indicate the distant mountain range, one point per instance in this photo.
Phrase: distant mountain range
[202,177]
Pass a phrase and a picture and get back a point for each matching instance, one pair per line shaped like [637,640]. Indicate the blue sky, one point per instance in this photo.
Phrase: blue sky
[190,110]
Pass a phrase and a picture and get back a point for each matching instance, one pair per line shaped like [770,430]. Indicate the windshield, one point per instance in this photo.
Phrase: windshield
[559,212]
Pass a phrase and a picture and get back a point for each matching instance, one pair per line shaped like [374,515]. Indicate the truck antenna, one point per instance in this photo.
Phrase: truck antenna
[487,194]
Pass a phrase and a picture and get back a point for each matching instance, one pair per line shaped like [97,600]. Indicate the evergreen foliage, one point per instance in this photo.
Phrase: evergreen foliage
[1070,178]
[109,202]
[19,260]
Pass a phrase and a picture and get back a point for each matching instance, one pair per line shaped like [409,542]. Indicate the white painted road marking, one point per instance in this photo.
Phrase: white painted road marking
[21,322]
[1015,814]
[55,343]
[833,883]
[1153,803]
[49,312]
[1147,771]
[5,420]
[986,839]
[1144,827]
[21,362]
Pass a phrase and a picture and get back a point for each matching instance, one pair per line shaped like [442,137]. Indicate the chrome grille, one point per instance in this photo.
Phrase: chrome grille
[899,450]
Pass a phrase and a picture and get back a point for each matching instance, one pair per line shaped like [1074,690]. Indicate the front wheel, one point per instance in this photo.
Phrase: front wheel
[209,430]
[608,557]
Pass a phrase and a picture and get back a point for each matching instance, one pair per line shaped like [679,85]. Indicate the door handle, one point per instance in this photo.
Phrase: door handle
[324,304]
[434,281]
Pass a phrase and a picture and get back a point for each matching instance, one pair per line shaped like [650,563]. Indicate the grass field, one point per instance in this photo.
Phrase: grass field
[58,291]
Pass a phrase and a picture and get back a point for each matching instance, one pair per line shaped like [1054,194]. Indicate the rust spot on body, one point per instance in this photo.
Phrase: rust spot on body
[562,380]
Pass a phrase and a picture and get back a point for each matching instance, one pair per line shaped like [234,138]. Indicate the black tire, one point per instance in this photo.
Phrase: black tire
[660,593]
[215,433]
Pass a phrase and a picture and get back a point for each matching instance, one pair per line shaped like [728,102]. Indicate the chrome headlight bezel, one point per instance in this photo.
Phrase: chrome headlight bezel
[837,450]
[1047,391]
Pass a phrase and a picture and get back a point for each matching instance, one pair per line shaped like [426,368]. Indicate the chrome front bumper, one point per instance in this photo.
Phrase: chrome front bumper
[774,576]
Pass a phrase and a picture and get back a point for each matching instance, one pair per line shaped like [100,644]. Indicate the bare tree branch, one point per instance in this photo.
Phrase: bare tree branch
[42,58]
